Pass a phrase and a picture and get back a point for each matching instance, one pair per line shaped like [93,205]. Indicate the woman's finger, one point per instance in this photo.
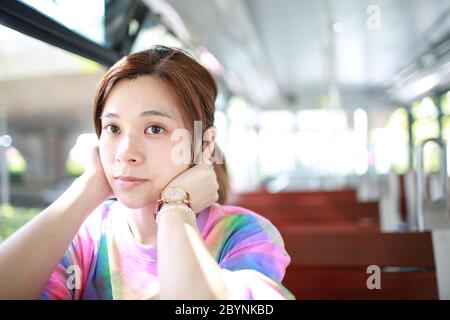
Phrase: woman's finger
[207,158]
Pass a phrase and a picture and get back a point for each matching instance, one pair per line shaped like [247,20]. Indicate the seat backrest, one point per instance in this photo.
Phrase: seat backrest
[359,249]
[334,265]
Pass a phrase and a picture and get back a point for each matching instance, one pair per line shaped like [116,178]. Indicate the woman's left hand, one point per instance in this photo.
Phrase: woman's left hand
[200,182]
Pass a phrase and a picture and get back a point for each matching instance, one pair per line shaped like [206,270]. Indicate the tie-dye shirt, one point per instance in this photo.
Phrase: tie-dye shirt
[105,261]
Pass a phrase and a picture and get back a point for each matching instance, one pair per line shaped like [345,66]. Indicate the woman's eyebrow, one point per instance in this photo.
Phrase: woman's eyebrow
[143,114]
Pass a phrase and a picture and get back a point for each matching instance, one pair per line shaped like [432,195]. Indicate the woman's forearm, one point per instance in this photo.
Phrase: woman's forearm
[30,255]
[186,268]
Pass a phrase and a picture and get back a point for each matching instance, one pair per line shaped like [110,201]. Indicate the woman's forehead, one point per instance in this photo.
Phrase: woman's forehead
[142,96]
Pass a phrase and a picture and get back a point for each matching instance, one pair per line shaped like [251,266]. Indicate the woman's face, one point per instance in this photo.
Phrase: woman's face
[138,119]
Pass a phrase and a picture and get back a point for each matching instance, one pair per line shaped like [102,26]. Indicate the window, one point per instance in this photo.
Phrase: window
[68,13]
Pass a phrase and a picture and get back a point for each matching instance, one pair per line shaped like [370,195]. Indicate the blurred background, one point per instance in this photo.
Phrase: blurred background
[314,95]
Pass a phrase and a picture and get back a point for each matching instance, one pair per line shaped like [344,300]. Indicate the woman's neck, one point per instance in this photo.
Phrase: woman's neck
[142,225]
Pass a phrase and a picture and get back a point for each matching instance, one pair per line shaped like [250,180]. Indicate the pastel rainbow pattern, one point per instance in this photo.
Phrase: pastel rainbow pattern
[104,260]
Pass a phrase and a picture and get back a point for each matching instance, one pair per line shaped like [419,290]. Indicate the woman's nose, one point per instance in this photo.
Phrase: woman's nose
[128,151]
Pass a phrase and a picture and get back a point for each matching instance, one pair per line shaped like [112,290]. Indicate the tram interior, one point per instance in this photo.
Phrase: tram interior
[334,118]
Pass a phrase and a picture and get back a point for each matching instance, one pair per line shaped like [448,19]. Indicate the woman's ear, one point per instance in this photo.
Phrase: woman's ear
[209,141]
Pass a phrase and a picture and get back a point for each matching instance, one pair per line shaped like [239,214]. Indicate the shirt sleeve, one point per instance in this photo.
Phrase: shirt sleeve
[253,258]
[65,282]
[68,279]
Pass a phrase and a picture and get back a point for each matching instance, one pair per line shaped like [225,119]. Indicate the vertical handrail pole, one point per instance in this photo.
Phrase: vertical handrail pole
[420,180]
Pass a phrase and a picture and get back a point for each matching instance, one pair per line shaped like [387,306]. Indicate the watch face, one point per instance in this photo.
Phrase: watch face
[174,194]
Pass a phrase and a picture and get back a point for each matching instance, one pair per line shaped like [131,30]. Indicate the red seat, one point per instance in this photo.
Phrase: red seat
[333,265]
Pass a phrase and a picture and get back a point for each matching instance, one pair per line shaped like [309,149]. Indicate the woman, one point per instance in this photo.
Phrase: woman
[146,109]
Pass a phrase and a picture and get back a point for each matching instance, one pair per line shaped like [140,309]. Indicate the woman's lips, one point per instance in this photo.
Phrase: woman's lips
[130,183]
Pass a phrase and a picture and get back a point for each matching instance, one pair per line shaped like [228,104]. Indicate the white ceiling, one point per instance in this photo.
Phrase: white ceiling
[274,53]
[278,49]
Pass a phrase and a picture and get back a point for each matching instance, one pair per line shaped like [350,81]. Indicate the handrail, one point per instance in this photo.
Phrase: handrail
[420,179]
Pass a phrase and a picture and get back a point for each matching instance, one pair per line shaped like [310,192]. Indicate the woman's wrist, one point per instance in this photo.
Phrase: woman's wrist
[94,186]
[78,201]
[168,209]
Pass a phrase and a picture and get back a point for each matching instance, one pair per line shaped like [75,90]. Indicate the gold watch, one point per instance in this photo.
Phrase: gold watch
[173,195]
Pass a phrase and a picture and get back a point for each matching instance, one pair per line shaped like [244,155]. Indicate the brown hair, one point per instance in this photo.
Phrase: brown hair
[193,86]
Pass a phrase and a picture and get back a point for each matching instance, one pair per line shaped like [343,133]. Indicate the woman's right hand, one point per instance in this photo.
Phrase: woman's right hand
[95,174]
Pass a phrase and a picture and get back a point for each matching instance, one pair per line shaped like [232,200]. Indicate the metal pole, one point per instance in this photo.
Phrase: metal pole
[420,182]
[420,185]
[4,176]
[410,140]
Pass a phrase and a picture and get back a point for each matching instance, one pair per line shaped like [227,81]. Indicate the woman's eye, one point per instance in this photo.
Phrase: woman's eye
[111,128]
[154,129]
